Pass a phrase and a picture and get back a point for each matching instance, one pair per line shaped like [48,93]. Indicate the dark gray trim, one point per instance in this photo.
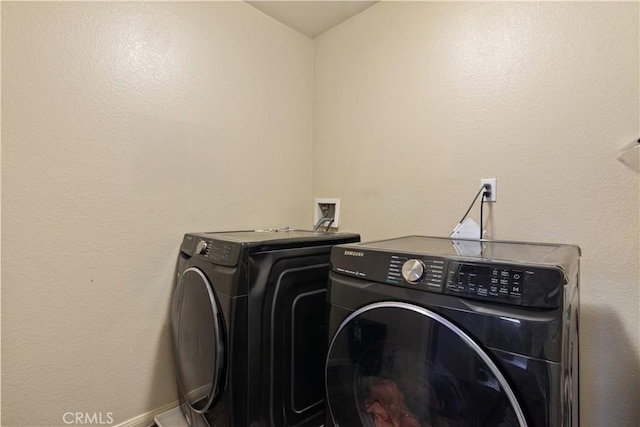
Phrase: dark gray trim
[213,392]
[293,324]
[272,328]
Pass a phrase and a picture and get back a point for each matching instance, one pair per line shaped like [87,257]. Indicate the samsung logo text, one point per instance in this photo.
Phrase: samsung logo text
[354,253]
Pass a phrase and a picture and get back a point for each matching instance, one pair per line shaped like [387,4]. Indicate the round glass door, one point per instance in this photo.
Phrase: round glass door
[399,365]
[198,340]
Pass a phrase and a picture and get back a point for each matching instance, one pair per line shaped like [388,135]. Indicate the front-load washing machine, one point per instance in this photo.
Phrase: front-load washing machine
[428,332]
[248,321]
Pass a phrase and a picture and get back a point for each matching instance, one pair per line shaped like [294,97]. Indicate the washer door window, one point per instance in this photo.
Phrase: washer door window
[399,365]
[198,340]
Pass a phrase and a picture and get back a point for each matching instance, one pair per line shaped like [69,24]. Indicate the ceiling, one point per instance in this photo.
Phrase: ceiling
[311,18]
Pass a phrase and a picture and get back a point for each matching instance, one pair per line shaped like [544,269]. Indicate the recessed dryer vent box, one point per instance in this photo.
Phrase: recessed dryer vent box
[323,207]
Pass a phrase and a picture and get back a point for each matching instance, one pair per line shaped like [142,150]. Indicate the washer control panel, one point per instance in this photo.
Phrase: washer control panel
[525,285]
[493,282]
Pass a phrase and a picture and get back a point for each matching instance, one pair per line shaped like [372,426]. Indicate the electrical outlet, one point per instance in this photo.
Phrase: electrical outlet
[323,208]
[493,190]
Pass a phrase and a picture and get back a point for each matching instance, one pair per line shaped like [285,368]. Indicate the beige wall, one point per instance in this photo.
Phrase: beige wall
[124,126]
[416,102]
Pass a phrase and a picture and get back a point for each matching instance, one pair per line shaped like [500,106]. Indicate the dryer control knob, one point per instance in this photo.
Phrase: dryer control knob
[413,271]
[201,247]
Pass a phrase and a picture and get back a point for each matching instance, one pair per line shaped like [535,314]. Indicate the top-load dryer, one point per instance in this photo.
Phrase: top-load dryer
[248,321]
[429,332]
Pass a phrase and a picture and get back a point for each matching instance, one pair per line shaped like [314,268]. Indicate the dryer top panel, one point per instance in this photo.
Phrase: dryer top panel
[276,238]
[224,248]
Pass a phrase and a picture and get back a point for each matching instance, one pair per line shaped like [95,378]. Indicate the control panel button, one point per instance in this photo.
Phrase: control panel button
[413,271]
[201,247]
[503,283]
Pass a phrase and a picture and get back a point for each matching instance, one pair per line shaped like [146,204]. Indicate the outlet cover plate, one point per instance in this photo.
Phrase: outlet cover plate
[494,188]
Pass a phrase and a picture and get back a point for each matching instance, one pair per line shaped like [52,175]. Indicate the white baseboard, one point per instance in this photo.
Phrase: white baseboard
[146,419]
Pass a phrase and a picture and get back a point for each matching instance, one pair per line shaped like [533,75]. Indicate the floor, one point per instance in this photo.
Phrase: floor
[171,418]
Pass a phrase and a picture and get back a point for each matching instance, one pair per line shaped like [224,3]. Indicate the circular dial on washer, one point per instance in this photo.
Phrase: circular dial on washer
[413,271]
[201,247]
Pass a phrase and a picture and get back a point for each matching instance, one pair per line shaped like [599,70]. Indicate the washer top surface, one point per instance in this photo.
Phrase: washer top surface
[480,250]
[516,273]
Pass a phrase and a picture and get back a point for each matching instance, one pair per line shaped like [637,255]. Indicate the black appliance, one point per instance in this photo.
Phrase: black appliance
[427,332]
[248,321]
